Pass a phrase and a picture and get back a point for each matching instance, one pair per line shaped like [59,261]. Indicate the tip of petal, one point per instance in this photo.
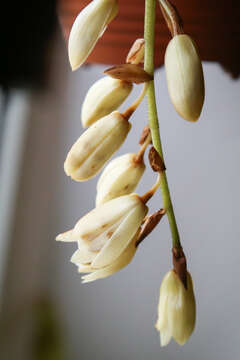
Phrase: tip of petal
[85,280]
[165,338]
[66,236]
[74,258]
[74,67]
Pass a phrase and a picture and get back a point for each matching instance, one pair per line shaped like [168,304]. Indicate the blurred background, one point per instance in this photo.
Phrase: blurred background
[45,311]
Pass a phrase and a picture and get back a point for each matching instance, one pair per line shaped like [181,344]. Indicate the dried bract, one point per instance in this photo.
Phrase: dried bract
[185,77]
[129,72]
[149,224]
[103,97]
[156,161]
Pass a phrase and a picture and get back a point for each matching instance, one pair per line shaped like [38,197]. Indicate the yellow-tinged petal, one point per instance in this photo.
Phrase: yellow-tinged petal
[184,77]
[82,256]
[103,217]
[117,265]
[87,28]
[66,236]
[176,310]
[121,237]
[103,97]
[95,146]
[120,177]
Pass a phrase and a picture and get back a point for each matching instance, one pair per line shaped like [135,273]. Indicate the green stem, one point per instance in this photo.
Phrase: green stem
[149,32]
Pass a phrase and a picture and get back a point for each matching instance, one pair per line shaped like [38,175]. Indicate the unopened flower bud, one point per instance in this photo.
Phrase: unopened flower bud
[185,77]
[136,53]
[120,177]
[103,97]
[176,309]
[87,28]
[107,236]
[95,146]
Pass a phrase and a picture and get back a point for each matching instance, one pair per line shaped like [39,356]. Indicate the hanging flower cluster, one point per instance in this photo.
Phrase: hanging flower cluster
[109,235]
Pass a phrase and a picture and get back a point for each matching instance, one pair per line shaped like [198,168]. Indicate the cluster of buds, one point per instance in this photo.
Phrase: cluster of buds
[109,235]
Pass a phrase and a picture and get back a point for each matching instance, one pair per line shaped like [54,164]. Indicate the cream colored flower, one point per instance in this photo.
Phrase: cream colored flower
[88,27]
[103,97]
[184,77]
[120,177]
[176,309]
[95,146]
[107,236]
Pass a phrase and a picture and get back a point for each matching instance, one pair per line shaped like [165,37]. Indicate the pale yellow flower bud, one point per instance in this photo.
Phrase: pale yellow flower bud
[95,146]
[103,97]
[176,309]
[185,77]
[136,53]
[87,28]
[107,236]
[120,177]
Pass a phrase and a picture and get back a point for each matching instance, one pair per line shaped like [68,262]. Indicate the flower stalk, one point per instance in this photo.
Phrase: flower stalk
[149,35]
[141,152]
[172,18]
[128,113]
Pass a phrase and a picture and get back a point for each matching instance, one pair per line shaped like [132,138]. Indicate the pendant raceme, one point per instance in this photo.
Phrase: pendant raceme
[185,77]
[88,27]
[120,177]
[103,97]
[107,236]
[95,146]
[176,309]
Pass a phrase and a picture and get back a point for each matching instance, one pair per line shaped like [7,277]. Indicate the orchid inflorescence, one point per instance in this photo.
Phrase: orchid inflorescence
[109,235]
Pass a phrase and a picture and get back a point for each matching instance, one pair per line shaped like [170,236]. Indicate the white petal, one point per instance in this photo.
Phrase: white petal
[82,256]
[97,243]
[66,236]
[97,159]
[184,77]
[176,309]
[85,268]
[117,265]
[165,337]
[103,217]
[121,237]
[112,166]
[87,28]
[103,97]
[121,179]
[95,146]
